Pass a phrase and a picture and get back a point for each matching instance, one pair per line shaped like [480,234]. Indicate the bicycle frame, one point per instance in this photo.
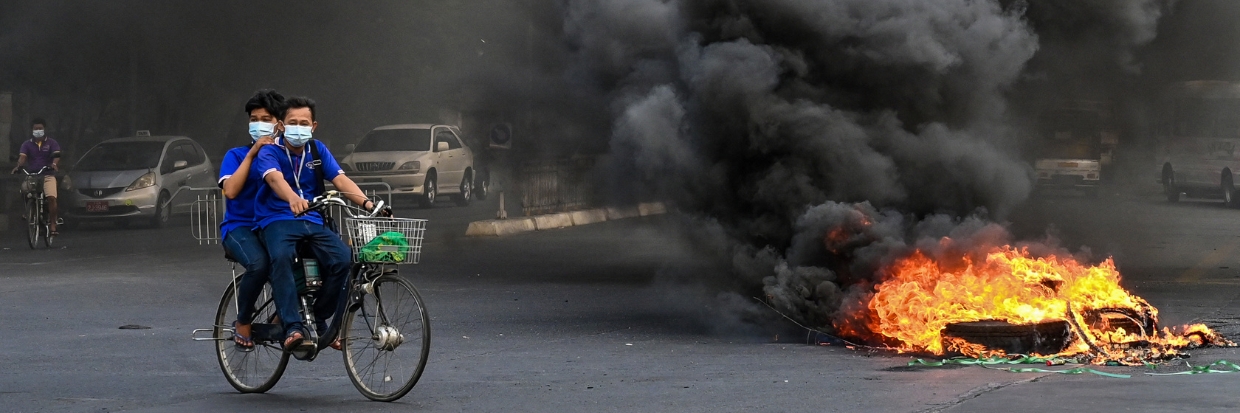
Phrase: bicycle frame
[37,220]
[378,329]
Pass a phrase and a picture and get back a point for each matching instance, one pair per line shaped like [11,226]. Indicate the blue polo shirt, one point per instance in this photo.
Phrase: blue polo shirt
[239,211]
[298,172]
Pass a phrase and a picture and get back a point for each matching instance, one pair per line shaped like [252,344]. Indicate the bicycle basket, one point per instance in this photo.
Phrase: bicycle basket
[386,240]
[32,184]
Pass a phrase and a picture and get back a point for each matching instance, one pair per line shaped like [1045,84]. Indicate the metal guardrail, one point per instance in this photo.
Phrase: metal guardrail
[555,186]
[206,214]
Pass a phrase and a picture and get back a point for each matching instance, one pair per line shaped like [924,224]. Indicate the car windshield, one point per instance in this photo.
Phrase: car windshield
[121,156]
[386,140]
[1208,118]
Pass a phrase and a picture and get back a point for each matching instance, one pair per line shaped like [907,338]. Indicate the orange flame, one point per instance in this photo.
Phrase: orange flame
[921,296]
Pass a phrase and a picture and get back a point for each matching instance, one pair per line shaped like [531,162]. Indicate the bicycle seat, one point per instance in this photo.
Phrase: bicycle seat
[229,257]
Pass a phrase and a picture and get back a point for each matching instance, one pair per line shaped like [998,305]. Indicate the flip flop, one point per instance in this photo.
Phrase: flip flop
[296,339]
[243,343]
[336,344]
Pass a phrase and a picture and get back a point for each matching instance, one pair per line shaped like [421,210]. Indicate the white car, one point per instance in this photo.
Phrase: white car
[423,159]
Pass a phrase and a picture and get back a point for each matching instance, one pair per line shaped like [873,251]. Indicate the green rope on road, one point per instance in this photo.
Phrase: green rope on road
[1218,367]
[1206,369]
[1078,370]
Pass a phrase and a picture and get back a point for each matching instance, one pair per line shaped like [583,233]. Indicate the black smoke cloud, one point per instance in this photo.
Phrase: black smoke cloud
[774,121]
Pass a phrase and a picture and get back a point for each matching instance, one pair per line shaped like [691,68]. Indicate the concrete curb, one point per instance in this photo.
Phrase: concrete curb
[502,227]
[498,227]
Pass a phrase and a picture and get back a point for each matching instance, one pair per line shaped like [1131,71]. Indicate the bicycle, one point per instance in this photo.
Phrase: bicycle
[36,208]
[383,320]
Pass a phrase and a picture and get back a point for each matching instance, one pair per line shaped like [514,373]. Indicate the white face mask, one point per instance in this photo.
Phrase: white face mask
[38,133]
[297,135]
[261,129]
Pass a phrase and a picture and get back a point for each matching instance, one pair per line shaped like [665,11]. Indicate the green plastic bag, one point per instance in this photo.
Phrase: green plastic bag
[389,247]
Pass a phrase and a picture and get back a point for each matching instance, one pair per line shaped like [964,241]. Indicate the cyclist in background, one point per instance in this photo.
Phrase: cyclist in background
[36,153]
[294,169]
[239,229]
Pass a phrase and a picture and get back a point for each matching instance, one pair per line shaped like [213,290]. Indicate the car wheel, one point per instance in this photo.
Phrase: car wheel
[467,190]
[163,211]
[431,190]
[1229,192]
[482,186]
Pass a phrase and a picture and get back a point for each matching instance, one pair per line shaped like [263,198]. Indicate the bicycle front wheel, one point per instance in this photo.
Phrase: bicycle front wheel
[32,222]
[386,339]
[255,370]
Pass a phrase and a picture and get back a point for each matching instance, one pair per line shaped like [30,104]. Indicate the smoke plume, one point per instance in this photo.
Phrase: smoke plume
[777,121]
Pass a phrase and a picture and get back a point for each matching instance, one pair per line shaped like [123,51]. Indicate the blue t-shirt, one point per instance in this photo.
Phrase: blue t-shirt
[298,172]
[239,211]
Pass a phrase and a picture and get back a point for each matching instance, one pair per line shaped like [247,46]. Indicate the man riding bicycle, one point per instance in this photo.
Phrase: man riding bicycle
[36,153]
[294,169]
[239,229]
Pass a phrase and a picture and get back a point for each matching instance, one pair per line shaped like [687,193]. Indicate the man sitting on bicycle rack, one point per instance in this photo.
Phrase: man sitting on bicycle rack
[36,153]
[294,169]
[239,229]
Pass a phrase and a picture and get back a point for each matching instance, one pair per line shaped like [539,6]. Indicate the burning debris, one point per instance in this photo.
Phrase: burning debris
[981,296]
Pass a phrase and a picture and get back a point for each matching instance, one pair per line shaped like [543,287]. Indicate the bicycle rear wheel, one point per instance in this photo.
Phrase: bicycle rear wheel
[387,339]
[32,222]
[253,371]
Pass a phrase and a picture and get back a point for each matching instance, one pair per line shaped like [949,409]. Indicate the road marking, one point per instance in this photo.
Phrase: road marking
[1209,262]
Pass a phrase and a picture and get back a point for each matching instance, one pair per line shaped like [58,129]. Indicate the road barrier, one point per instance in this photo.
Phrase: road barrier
[555,186]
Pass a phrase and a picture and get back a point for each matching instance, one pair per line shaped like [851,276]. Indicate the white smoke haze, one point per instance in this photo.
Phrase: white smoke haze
[776,121]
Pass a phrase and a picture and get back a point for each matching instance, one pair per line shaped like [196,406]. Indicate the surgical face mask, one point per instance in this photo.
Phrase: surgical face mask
[298,135]
[261,129]
[38,133]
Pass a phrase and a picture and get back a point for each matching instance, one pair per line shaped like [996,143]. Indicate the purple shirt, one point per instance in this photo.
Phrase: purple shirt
[40,155]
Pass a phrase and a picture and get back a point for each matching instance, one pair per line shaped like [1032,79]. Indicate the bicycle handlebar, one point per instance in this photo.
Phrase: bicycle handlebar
[336,198]
[39,172]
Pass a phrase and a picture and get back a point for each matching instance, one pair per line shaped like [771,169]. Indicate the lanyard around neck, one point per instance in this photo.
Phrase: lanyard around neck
[297,168]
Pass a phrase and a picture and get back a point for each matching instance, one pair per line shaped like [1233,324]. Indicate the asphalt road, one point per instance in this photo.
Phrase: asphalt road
[609,317]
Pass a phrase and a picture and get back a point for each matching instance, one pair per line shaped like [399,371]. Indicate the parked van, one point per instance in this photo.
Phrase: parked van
[1200,133]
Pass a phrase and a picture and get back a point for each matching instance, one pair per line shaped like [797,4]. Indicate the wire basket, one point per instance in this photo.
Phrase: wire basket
[386,240]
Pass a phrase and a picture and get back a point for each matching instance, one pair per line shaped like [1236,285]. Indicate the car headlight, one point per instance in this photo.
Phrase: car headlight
[414,166]
[345,167]
[147,180]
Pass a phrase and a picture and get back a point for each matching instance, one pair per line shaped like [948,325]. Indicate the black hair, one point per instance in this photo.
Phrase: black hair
[299,102]
[39,121]
[267,99]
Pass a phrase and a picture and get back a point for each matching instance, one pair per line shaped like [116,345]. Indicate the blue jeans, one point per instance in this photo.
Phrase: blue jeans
[246,247]
[334,258]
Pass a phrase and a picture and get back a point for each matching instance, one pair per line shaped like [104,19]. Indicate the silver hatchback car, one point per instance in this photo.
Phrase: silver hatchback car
[137,178]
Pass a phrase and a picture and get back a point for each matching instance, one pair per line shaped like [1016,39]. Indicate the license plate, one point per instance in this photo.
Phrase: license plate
[97,206]
[1068,164]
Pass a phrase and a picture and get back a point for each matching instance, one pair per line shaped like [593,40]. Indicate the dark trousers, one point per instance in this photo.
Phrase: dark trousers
[334,258]
[246,247]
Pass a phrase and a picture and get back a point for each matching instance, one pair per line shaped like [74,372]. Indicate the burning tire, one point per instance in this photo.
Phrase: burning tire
[1045,338]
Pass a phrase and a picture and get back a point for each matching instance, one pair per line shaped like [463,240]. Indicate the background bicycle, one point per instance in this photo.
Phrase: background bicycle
[35,208]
